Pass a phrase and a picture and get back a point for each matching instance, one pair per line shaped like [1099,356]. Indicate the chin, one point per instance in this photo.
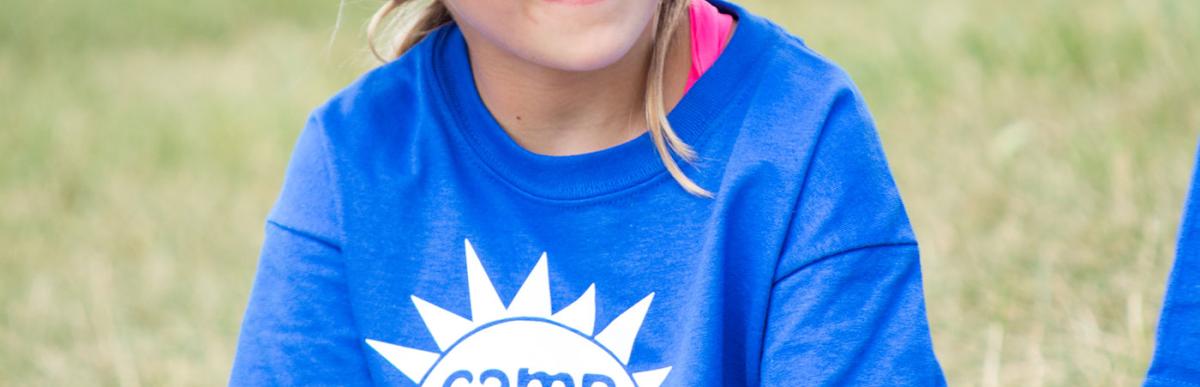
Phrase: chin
[579,58]
[579,53]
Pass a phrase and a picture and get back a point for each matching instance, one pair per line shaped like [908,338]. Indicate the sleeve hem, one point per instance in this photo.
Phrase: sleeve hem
[842,252]
[306,235]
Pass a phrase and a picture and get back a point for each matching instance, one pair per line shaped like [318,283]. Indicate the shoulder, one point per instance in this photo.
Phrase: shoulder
[382,103]
[786,87]
[807,129]
[797,98]
[789,64]
[798,118]
[797,74]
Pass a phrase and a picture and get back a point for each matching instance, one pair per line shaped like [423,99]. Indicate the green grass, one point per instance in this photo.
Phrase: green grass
[1043,149]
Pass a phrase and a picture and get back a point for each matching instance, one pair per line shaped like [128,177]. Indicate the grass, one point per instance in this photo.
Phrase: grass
[1043,149]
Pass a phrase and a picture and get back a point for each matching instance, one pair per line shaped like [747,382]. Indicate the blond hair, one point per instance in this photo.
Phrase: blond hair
[411,20]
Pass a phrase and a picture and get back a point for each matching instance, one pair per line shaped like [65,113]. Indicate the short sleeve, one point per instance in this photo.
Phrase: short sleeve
[847,305]
[298,328]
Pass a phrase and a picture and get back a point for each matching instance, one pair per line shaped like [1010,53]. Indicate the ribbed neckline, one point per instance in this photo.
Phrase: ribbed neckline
[603,172]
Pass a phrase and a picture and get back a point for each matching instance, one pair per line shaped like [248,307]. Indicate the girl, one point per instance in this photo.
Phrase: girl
[509,203]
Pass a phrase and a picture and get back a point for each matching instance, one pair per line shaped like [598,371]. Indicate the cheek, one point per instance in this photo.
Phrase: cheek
[566,37]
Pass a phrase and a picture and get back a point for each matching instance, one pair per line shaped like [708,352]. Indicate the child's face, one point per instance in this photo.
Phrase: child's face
[567,35]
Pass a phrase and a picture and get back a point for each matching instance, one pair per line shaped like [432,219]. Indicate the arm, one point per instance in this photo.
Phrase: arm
[298,328]
[847,306]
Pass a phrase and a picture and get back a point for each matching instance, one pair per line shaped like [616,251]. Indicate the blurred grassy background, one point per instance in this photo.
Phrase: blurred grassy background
[1043,148]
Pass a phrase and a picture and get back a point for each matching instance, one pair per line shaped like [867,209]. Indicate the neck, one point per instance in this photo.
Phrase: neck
[555,112]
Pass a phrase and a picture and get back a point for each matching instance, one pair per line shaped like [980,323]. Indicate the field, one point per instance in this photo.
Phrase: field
[1043,148]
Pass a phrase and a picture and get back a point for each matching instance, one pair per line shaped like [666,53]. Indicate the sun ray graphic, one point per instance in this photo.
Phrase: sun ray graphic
[523,342]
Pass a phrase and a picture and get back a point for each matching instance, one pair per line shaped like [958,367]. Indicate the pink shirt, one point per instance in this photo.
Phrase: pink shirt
[710,30]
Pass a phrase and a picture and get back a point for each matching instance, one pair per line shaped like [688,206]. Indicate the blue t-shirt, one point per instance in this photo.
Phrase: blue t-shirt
[1177,354]
[415,243]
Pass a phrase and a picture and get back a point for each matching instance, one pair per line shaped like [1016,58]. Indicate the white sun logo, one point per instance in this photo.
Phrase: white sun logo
[523,344]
